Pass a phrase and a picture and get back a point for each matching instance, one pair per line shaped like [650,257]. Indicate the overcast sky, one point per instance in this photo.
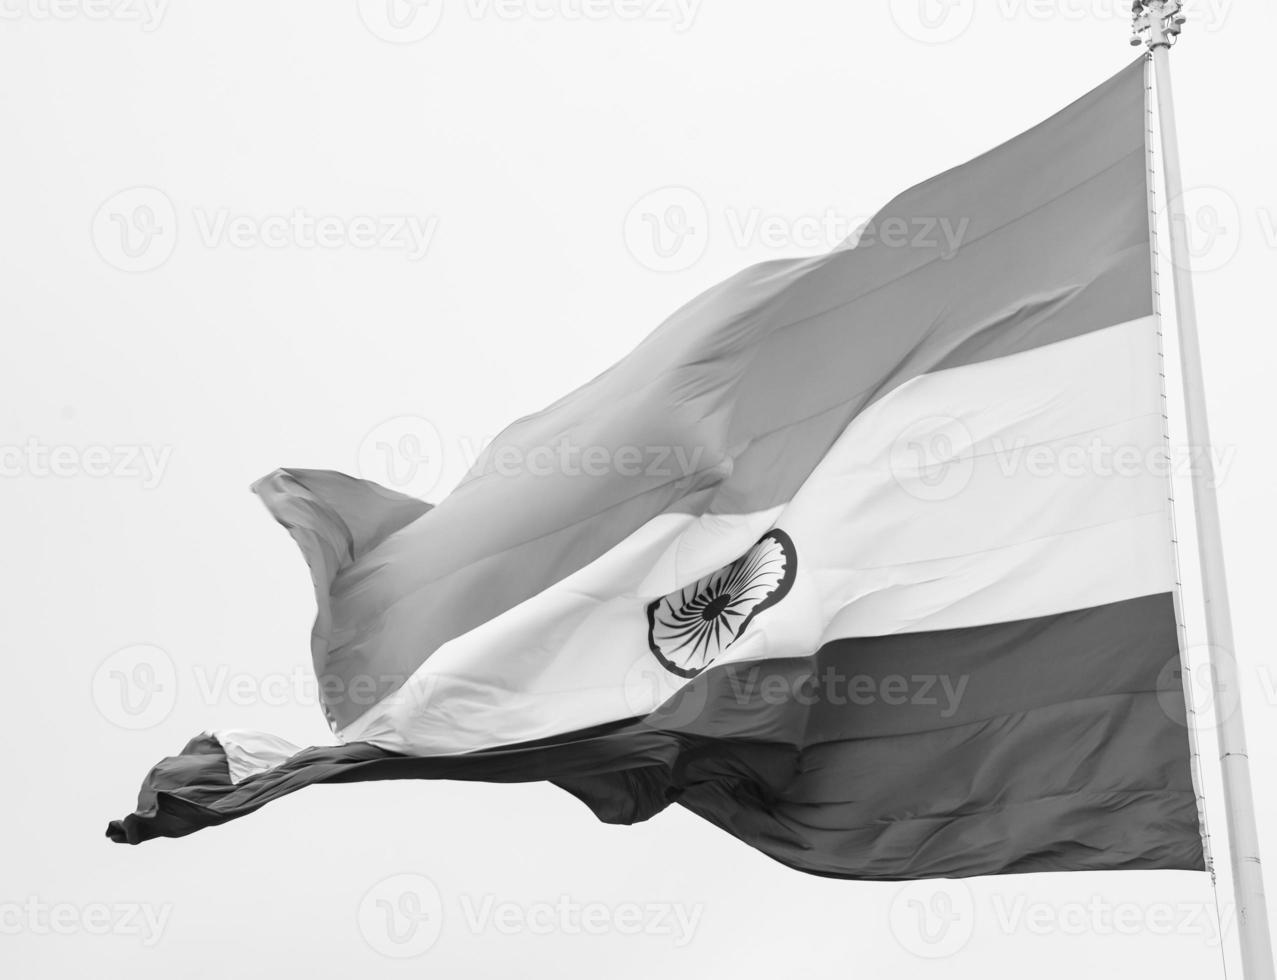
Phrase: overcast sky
[349,226]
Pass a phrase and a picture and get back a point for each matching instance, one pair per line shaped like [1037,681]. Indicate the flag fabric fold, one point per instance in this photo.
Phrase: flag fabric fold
[864,558]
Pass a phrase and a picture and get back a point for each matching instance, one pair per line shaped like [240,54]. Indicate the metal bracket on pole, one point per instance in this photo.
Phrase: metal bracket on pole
[1157,24]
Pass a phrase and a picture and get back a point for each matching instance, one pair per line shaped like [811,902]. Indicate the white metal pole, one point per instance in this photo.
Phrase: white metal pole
[1243,836]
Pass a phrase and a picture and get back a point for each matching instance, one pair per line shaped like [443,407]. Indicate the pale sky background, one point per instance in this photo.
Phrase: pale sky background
[522,143]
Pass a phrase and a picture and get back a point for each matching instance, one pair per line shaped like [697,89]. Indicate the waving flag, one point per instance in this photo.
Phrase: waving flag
[864,558]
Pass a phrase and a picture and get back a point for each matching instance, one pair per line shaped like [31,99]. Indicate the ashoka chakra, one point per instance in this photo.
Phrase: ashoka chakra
[688,628]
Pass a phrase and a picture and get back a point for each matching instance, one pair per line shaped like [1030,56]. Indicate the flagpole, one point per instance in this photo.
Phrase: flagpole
[1159,21]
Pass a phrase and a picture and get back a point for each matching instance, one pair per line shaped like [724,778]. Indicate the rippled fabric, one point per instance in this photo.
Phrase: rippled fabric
[986,685]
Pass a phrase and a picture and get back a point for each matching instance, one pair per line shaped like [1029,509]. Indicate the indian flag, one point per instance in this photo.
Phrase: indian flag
[864,558]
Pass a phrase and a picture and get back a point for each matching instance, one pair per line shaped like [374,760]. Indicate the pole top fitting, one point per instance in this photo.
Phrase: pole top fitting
[1156,23]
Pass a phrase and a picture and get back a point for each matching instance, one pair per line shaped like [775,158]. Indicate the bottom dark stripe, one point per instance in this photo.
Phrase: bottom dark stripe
[1050,744]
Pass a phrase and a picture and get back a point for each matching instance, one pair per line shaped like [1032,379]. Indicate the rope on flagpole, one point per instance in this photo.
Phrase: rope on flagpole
[1157,24]
[1163,372]
[1177,594]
